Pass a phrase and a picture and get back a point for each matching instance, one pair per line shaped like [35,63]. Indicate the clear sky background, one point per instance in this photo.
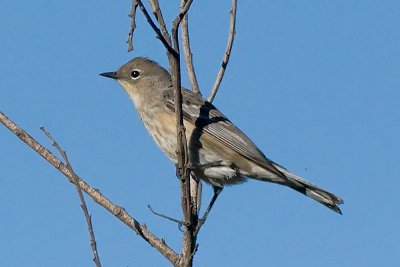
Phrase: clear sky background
[315,84]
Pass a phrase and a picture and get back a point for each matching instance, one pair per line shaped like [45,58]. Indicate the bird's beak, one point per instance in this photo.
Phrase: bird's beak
[112,75]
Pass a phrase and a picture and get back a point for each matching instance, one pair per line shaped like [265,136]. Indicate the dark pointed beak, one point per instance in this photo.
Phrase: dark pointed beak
[112,75]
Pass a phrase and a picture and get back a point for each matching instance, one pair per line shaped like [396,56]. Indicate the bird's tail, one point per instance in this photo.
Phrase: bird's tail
[299,184]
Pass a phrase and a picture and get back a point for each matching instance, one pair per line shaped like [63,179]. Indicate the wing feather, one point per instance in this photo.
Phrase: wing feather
[205,116]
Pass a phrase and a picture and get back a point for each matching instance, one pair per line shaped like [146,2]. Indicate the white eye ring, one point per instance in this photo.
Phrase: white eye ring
[135,74]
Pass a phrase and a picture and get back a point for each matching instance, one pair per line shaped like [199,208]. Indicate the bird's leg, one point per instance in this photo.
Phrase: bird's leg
[217,191]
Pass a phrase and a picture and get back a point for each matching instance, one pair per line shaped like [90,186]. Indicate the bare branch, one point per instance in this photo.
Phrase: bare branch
[95,194]
[158,14]
[88,217]
[190,217]
[188,54]
[132,28]
[166,42]
[195,192]
[227,52]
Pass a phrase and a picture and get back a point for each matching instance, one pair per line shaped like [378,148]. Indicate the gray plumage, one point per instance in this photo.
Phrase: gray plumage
[221,153]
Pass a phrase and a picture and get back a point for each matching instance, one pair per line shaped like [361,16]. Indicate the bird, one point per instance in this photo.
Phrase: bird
[219,152]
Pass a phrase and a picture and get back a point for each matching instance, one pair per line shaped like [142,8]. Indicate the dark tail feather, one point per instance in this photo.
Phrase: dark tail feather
[322,196]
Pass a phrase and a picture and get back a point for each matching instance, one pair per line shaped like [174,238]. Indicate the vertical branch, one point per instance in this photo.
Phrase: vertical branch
[194,187]
[195,193]
[189,196]
[188,53]
[227,52]
[190,215]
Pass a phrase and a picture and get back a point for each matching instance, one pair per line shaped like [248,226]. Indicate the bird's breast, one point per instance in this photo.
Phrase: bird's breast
[161,126]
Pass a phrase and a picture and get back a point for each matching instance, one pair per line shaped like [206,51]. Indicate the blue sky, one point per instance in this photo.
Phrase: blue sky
[315,84]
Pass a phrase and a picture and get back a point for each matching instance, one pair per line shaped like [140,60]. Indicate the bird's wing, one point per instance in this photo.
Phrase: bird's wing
[210,120]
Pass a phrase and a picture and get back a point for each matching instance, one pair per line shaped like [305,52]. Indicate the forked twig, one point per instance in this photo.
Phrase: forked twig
[166,42]
[227,52]
[155,6]
[88,217]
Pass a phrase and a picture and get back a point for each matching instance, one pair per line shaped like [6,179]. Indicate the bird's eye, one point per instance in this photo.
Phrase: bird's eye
[135,74]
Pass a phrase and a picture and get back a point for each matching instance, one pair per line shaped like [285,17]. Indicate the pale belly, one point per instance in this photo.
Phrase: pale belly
[200,153]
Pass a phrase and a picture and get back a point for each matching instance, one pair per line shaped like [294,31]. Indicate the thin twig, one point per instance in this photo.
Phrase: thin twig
[157,30]
[188,53]
[132,28]
[88,217]
[166,216]
[155,6]
[227,52]
[95,194]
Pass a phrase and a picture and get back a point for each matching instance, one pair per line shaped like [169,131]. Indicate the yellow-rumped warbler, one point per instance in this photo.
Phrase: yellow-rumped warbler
[219,151]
